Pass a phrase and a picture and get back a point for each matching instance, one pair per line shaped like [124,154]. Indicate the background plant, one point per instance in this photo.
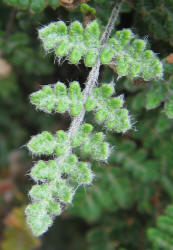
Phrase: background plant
[152,139]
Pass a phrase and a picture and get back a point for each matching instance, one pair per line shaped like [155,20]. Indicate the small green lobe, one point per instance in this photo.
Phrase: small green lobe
[91,57]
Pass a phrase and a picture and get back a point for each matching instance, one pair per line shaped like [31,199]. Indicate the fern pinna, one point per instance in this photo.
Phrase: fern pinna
[58,179]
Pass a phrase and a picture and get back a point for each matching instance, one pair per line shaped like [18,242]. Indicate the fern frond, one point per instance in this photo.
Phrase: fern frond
[161,236]
[58,179]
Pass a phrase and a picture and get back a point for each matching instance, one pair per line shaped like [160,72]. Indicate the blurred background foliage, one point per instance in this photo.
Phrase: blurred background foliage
[128,206]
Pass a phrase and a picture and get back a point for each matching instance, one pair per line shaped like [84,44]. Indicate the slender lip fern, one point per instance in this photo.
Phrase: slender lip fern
[58,179]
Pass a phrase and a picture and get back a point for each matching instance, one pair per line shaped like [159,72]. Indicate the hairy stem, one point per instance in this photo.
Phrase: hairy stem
[94,73]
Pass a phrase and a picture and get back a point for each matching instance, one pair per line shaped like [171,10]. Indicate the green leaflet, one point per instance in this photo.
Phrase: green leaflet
[57,99]
[91,144]
[161,92]
[108,110]
[161,235]
[43,143]
[128,53]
